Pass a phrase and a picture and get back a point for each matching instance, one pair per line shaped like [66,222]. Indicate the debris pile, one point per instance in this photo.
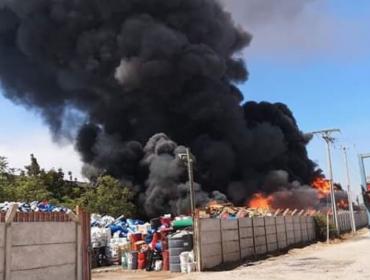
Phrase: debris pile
[35,206]
[229,211]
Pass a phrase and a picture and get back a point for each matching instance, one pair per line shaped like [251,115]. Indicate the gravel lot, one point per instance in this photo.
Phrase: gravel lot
[348,259]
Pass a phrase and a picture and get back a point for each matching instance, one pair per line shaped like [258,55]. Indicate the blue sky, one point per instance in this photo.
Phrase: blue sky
[318,63]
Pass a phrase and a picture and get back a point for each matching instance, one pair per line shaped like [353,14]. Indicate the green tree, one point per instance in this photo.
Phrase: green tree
[34,168]
[30,189]
[108,196]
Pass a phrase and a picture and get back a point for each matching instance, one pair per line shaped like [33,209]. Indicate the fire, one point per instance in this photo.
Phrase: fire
[260,201]
[322,186]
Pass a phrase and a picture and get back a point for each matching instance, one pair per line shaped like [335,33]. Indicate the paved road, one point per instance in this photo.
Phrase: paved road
[347,260]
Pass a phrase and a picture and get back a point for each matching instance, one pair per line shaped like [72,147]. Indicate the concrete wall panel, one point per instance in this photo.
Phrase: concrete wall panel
[229,224]
[270,229]
[209,224]
[247,252]
[65,272]
[280,228]
[210,262]
[246,232]
[211,250]
[2,259]
[245,222]
[258,222]
[258,231]
[232,257]
[230,247]
[2,235]
[43,233]
[230,235]
[210,237]
[246,243]
[260,250]
[272,247]
[289,226]
[280,220]
[33,257]
[260,240]
[269,221]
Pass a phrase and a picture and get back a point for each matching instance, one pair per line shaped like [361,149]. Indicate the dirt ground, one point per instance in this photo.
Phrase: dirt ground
[343,259]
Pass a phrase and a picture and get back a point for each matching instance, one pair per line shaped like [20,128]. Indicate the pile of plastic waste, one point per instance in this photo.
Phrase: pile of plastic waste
[135,244]
[35,206]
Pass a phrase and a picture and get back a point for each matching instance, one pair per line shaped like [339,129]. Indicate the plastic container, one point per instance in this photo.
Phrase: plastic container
[141,263]
[124,259]
[166,260]
[183,223]
[184,267]
[135,237]
[191,267]
[178,243]
[158,265]
[132,260]
[184,257]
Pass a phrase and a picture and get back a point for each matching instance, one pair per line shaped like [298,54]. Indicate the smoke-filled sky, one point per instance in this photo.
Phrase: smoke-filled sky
[309,56]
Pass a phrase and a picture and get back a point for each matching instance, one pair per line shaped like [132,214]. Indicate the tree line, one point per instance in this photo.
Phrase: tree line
[33,183]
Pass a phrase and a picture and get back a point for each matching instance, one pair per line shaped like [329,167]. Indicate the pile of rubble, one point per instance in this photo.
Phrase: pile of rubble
[229,211]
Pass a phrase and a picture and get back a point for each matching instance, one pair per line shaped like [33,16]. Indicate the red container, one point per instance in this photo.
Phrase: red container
[141,260]
[135,238]
[166,260]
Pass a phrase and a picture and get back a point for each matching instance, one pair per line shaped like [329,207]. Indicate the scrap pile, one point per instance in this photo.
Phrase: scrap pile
[229,211]
[136,244]
[35,206]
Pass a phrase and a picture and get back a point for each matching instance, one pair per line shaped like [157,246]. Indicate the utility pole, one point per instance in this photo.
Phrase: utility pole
[191,181]
[325,134]
[353,225]
[188,160]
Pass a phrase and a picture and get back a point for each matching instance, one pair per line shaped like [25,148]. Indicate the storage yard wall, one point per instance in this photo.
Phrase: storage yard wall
[41,246]
[344,221]
[223,240]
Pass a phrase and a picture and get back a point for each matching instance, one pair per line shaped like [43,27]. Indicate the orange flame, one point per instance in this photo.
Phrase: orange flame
[260,201]
[322,186]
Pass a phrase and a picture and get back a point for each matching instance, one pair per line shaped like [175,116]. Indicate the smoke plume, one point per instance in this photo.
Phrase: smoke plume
[132,69]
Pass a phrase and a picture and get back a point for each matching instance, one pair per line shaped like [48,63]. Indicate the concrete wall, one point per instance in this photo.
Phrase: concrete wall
[43,250]
[223,240]
[210,242]
[344,221]
[39,250]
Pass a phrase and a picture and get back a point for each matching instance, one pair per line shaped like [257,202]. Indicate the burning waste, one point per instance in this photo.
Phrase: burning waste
[108,75]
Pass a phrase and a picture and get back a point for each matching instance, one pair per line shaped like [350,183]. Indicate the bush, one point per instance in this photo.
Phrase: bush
[321,228]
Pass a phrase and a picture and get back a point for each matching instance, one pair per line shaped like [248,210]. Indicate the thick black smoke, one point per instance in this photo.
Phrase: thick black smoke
[135,68]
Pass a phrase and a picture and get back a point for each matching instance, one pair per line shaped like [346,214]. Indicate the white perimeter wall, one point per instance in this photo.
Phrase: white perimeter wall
[223,240]
[38,251]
